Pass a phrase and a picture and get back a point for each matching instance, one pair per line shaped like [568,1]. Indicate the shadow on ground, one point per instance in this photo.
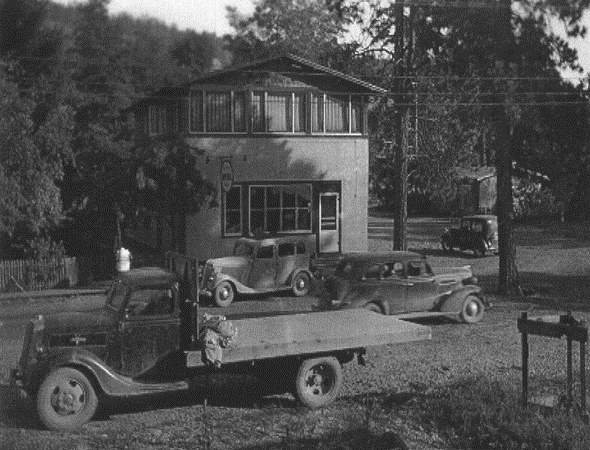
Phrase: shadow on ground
[549,291]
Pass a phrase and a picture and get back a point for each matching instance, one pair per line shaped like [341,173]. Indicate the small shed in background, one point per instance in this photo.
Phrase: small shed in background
[477,190]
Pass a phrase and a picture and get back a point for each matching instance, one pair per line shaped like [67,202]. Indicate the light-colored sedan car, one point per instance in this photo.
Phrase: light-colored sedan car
[258,266]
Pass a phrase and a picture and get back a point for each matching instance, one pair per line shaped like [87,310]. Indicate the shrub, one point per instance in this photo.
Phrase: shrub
[486,414]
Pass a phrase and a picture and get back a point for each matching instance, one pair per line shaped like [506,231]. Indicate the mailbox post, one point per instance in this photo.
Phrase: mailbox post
[556,327]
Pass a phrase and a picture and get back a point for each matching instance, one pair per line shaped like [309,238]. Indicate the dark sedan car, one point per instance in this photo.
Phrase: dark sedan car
[478,233]
[403,284]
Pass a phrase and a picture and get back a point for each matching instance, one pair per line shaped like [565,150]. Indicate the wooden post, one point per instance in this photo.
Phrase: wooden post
[525,363]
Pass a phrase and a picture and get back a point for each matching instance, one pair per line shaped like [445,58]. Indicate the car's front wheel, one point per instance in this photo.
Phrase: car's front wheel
[224,294]
[301,284]
[472,309]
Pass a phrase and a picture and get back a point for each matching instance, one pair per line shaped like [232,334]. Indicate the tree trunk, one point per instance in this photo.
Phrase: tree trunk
[508,280]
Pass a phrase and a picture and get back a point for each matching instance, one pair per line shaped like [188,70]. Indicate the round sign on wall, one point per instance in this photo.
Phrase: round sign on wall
[227,175]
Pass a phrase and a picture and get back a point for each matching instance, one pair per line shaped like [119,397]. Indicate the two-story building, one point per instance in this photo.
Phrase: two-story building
[285,140]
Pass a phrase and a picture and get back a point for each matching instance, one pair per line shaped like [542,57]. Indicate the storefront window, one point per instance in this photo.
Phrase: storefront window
[280,208]
[233,211]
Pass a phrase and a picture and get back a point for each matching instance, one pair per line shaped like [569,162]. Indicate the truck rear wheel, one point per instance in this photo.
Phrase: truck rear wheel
[318,381]
[66,399]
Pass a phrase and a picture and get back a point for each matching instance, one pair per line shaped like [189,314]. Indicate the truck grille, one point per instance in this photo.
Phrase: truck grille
[26,350]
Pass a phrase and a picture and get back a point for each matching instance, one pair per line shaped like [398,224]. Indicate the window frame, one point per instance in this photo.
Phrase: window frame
[280,208]
[240,210]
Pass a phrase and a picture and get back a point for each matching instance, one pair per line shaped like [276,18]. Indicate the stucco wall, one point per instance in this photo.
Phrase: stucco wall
[283,158]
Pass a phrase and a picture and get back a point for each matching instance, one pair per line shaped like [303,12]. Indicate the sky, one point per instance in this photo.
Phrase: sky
[210,16]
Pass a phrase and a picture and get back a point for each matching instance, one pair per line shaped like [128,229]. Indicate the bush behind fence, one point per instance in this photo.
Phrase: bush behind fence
[35,275]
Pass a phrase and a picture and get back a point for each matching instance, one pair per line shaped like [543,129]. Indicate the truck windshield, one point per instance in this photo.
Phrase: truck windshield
[243,249]
[116,295]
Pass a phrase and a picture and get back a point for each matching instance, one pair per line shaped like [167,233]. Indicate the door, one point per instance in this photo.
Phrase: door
[150,331]
[285,262]
[421,287]
[264,271]
[329,227]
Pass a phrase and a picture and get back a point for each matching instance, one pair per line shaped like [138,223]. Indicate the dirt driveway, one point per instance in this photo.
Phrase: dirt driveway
[384,397]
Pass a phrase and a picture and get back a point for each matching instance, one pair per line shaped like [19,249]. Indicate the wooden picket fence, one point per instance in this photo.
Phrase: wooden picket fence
[32,275]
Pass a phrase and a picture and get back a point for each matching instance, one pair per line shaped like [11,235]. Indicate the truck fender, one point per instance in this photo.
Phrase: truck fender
[105,379]
[454,301]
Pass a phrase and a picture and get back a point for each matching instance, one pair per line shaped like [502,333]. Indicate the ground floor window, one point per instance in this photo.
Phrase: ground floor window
[279,208]
[232,218]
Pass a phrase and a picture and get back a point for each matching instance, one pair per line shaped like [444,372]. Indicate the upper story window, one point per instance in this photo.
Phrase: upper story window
[217,112]
[274,112]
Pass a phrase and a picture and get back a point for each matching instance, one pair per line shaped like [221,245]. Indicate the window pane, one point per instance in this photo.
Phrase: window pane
[233,222]
[299,108]
[256,222]
[196,111]
[286,249]
[239,111]
[303,195]
[337,113]
[273,220]
[265,252]
[300,248]
[317,113]
[288,196]
[273,197]
[233,211]
[218,111]
[356,115]
[303,220]
[258,112]
[232,198]
[278,112]
[289,219]
[257,198]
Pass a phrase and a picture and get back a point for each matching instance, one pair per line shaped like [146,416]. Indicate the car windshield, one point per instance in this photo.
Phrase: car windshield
[116,294]
[243,249]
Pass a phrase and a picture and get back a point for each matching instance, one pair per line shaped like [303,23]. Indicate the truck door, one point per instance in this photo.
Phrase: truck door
[264,271]
[150,330]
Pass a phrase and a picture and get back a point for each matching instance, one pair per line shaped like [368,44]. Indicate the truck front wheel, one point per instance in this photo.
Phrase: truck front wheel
[318,381]
[66,399]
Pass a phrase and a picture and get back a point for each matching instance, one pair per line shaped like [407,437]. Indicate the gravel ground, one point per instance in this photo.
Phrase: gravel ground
[384,397]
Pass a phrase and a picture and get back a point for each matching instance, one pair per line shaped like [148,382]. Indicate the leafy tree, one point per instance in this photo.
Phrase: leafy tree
[199,52]
[32,159]
[496,45]
[307,28]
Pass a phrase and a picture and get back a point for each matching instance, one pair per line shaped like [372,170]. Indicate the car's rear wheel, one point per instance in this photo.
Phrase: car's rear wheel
[472,309]
[224,294]
[301,284]
[373,307]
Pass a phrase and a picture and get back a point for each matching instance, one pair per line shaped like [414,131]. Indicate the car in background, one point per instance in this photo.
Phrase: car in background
[478,233]
[403,284]
[258,266]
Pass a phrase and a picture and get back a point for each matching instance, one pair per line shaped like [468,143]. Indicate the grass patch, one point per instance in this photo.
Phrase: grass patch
[484,414]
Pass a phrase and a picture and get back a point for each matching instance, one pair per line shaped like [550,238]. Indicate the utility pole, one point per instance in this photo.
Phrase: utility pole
[400,195]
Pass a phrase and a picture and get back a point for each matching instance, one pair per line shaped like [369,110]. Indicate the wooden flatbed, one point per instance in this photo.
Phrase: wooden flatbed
[313,333]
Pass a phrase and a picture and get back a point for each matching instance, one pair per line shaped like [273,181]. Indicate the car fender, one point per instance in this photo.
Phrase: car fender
[297,271]
[240,288]
[454,301]
[104,378]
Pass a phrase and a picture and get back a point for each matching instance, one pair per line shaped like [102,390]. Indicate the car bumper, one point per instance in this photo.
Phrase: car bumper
[205,293]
